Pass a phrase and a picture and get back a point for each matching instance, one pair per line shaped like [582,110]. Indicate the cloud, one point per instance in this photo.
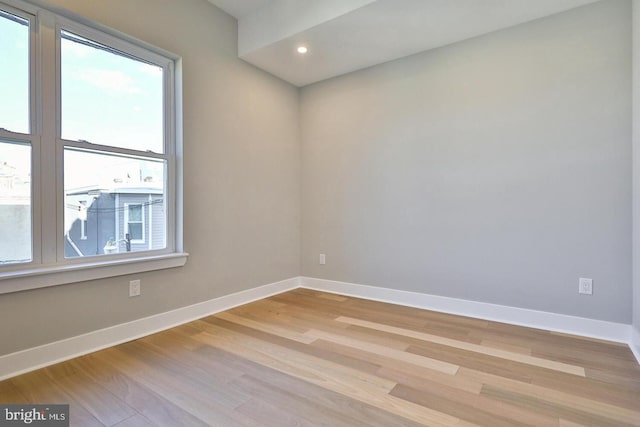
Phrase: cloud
[114,81]
[152,70]
[74,49]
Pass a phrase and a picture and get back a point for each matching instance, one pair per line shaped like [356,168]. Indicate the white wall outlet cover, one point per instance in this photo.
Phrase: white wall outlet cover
[585,286]
[134,288]
[323,259]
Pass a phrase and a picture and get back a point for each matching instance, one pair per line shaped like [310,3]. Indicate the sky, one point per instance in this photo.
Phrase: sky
[110,99]
[14,103]
[107,98]
[14,76]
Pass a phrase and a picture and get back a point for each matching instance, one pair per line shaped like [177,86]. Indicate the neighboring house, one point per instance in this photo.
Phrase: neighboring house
[7,176]
[98,220]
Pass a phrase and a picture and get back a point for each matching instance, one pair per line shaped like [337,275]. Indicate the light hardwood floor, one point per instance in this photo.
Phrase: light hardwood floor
[311,358]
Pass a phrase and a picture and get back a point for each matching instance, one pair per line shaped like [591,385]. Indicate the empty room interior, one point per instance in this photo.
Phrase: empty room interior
[320,212]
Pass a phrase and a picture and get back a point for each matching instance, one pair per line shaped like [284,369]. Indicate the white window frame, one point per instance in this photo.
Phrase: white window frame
[142,221]
[48,266]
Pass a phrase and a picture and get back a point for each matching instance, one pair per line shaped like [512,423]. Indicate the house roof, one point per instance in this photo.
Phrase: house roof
[125,189]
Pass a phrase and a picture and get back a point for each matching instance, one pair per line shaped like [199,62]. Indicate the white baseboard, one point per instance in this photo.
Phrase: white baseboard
[38,357]
[634,344]
[600,329]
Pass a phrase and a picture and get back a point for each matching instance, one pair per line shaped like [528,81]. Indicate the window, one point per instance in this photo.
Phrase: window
[87,144]
[134,218]
[83,219]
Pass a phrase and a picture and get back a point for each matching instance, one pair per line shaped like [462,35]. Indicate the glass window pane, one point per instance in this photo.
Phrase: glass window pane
[109,97]
[109,196]
[15,203]
[135,231]
[14,73]
[135,213]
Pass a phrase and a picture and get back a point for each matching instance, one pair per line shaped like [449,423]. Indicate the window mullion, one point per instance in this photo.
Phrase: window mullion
[35,116]
[50,179]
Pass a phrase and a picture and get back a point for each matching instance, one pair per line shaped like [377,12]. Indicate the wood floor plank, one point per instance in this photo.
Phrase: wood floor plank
[185,351]
[567,423]
[100,402]
[357,385]
[456,332]
[317,354]
[265,327]
[553,408]
[570,401]
[270,316]
[9,393]
[153,407]
[509,347]
[586,359]
[175,338]
[39,389]
[207,382]
[398,371]
[412,377]
[379,350]
[280,358]
[475,410]
[268,415]
[316,402]
[311,358]
[313,405]
[300,411]
[135,421]
[618,394]
[202,402]
[332,297]
[309,319]
[503,354]
[629,380]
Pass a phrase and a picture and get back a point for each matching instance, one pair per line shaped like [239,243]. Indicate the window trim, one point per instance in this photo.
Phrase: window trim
[48,266]
[53,275]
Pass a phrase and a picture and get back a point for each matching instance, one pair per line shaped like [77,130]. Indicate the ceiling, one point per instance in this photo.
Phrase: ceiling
[348,35]
[240,8]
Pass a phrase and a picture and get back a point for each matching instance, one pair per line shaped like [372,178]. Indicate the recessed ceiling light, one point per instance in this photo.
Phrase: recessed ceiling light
[302,49]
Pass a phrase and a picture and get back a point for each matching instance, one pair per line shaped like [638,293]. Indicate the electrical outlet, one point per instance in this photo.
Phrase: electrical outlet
[323,259]
[585,286]
[134,288]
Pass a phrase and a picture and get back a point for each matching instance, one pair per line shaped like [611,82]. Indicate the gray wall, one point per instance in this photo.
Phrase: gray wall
[242,191]
[636,170]
[496,169]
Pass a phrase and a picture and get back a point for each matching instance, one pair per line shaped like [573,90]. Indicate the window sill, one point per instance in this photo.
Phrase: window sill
[42,277]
